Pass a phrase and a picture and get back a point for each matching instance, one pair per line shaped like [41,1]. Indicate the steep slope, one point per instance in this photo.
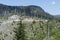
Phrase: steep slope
[32,10]
[33,30]
[8,27]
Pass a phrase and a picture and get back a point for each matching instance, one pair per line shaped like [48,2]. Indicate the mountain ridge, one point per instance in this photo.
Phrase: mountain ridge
[31,10]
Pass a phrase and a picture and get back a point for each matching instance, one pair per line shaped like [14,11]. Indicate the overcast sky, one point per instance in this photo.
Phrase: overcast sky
[50,6]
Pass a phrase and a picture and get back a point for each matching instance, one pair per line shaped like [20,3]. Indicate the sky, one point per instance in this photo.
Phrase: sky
[50,6]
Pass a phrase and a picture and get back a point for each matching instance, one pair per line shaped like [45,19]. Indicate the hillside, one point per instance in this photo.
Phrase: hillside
[32,11]
[29,28]
[58,16]
[8,27]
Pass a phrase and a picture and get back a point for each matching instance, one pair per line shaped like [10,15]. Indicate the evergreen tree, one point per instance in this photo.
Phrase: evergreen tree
[20,34]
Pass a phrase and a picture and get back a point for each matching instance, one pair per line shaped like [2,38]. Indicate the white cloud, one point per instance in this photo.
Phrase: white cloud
[53,2]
